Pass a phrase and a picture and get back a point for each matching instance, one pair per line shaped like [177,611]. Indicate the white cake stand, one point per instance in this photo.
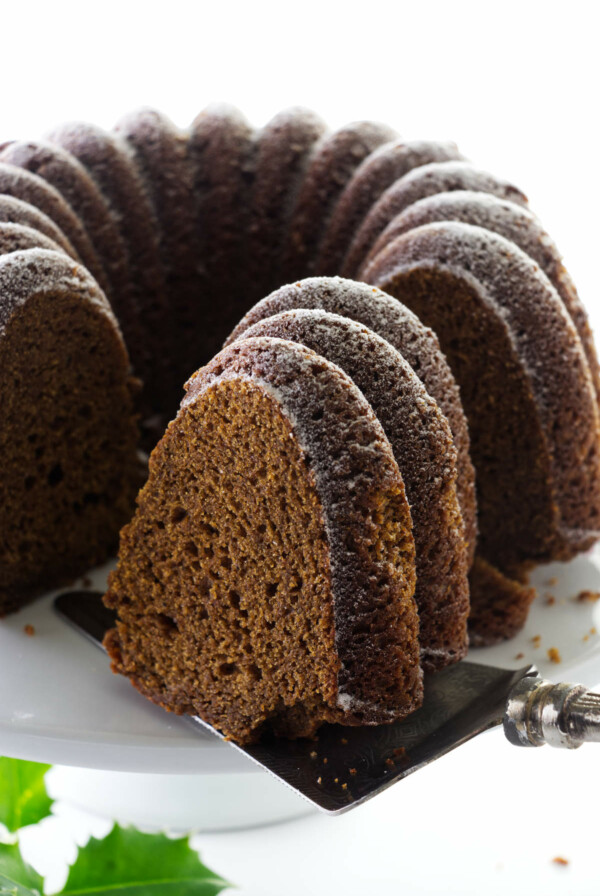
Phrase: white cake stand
[118,755]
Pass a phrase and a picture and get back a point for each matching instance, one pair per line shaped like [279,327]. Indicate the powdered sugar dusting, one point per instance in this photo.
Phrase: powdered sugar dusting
[33,272]
[428,180]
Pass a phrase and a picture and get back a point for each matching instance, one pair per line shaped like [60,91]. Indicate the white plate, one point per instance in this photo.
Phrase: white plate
[60,703]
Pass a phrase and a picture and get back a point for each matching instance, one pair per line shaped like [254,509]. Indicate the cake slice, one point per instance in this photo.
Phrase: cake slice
[526,389]
[404,331]
[68,432]
[424,450]
[266,580]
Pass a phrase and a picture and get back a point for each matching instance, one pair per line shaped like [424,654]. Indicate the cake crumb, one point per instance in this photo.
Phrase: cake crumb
[553,655]
[550,600]
[587,597]
[336,780]
[344,786]
[586,638]
[559,860]
[325,760]
[390,762]
[352,771]
[344,740]
[551,581]
[313,754]
[593,630]
[319,780]
[400,753]
[29,630]
[536,640]
[520,656]
[86,582]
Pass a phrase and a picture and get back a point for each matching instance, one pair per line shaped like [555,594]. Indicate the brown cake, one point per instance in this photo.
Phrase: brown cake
[424,450]
[404,331]
[333,163]
[515,223]
[15,211]
[36,191]
[182,231]
[283,154]
[109,162]
[14,237]
[68,436]
[63,171]
[525,386]
[222,148]
[283,605]
[161,155]
[378,171]
[419,183]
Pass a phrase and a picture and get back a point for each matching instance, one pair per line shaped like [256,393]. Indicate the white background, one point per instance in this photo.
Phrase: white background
[516,86]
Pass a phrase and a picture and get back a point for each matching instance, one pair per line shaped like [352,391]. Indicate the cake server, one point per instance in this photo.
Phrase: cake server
[342,767]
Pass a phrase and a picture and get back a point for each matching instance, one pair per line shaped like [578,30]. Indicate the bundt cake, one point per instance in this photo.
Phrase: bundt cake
[465,335]
[68,437]
[288,603]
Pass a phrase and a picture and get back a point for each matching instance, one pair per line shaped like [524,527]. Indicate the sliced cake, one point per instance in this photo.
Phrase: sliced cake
[267,577]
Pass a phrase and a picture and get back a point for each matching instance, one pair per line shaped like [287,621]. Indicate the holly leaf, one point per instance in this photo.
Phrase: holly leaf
[129,863]
[17,878]
[23,797]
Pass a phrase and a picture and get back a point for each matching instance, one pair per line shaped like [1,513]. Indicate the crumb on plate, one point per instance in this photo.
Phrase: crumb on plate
[587,597]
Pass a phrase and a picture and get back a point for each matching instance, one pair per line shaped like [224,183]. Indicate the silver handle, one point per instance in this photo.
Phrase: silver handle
[563,715]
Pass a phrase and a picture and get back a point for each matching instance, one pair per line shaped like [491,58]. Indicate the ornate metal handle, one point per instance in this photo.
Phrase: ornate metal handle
[539,712]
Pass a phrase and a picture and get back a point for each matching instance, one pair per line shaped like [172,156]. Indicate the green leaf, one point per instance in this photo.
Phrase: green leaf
[23,797]
[17,878]
[129,863]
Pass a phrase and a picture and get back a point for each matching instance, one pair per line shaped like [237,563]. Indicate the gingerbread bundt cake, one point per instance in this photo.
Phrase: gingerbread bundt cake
[288,603]
[478,334]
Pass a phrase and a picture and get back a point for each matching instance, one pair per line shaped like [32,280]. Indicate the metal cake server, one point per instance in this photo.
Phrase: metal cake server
[343,767]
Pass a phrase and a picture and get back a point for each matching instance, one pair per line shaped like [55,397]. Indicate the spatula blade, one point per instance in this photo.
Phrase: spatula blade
[342,767]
